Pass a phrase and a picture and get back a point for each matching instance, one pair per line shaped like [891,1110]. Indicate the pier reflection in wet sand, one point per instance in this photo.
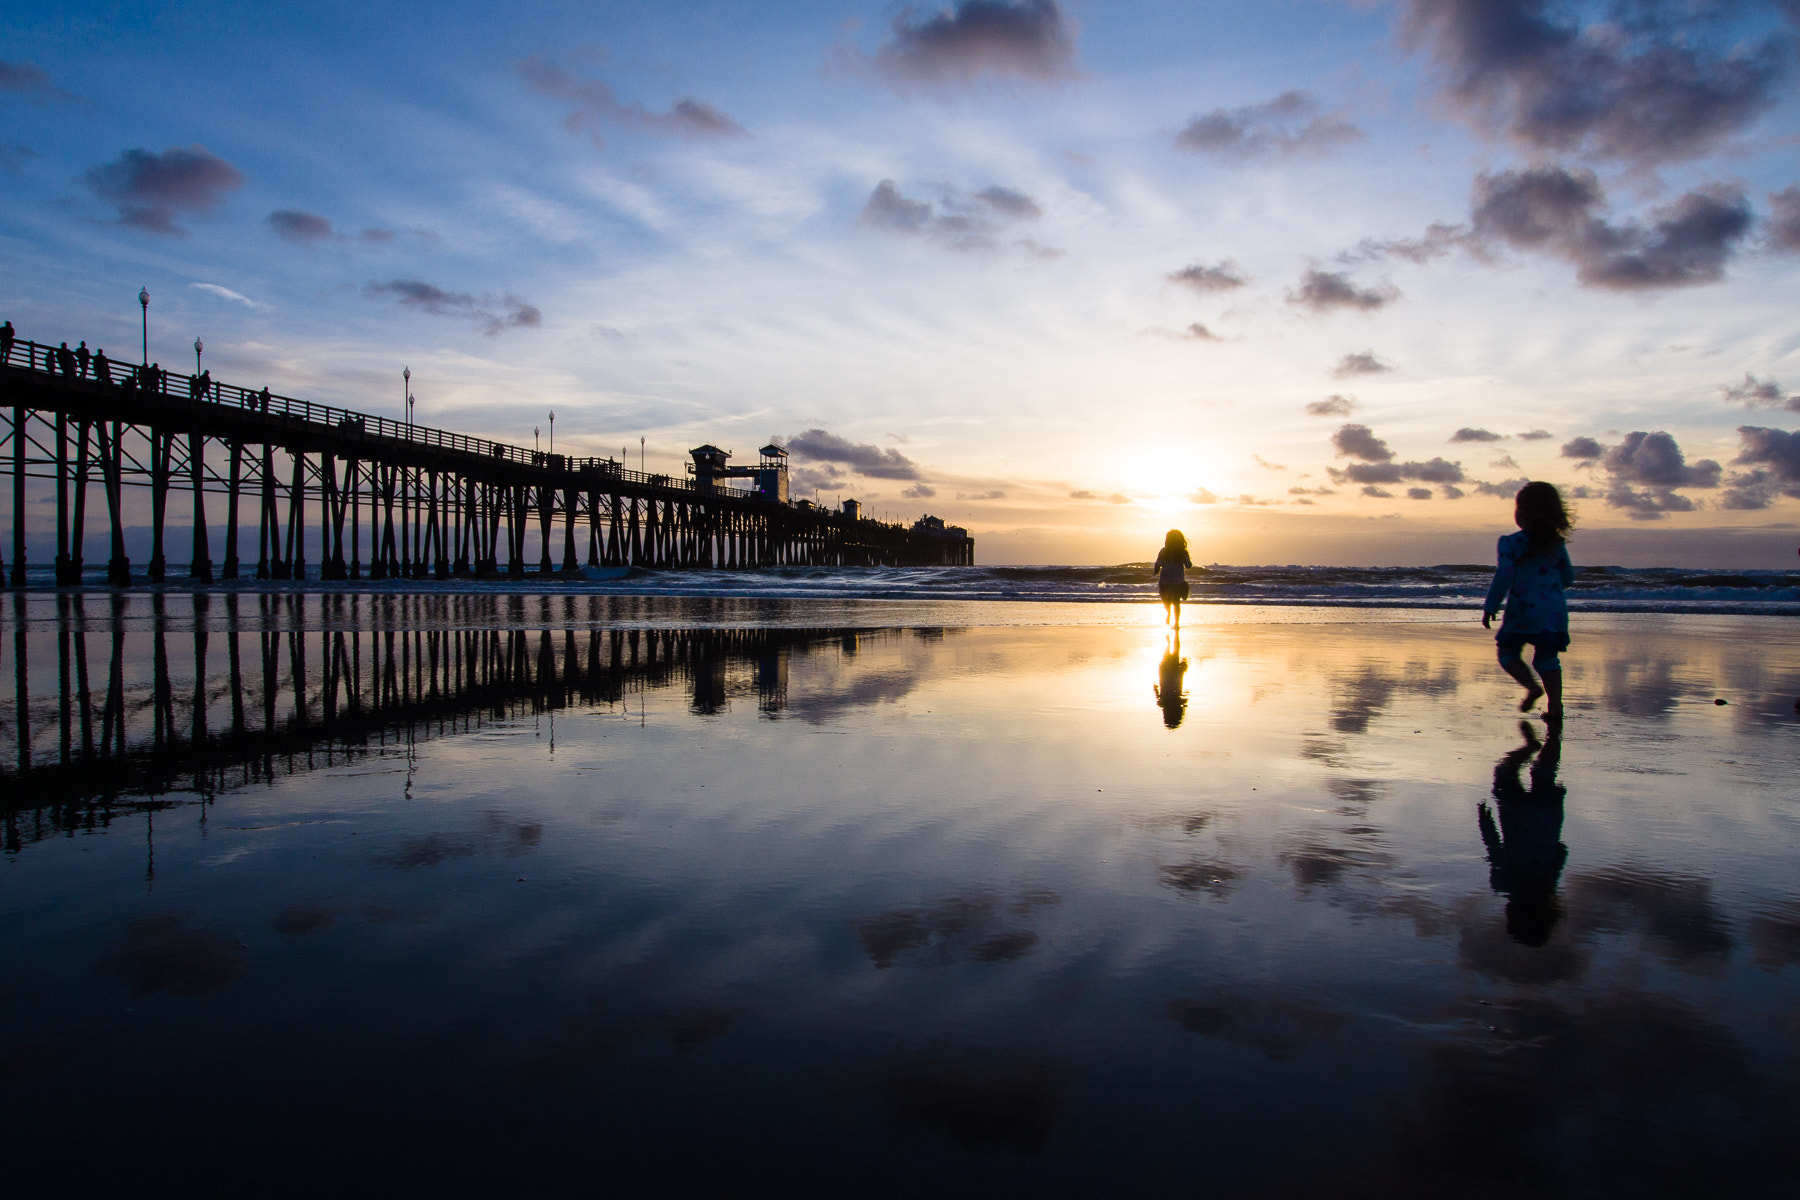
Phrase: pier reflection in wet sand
[560,894]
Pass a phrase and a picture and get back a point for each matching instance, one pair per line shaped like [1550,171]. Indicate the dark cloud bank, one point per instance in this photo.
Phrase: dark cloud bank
[151,190]
[1656,81]
[1646,472]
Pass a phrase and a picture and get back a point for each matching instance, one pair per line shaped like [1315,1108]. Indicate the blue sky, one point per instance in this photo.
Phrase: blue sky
[1296,277]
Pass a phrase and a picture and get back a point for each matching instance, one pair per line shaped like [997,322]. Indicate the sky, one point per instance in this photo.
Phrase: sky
[1316,282]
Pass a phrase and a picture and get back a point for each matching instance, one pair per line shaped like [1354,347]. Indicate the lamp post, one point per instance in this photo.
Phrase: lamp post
[198,347]
[553,431]
[406,393]
[144,303]
[534,439]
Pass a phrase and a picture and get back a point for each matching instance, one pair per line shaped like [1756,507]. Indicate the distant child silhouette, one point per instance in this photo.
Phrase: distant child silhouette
[1171,568]
[1533,571]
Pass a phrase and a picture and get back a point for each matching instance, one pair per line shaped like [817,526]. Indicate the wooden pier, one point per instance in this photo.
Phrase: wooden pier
[433,503]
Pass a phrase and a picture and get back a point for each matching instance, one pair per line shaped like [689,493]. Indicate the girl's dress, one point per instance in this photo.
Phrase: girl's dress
[1531,585]
[1171,568]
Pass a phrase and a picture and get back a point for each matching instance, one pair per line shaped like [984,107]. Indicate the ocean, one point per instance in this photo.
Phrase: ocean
[1449,586]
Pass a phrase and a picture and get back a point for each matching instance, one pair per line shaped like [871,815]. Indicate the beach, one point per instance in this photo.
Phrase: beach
[874,896]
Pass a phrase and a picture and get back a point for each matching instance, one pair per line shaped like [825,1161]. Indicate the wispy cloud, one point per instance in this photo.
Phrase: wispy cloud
[958,220]
[225,293]
[1758,393]
[1289,124]
[593,104]
[1207,279]
[494,317]
[1335,405]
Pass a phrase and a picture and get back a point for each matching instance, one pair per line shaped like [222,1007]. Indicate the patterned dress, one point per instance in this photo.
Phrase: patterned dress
[1531,586]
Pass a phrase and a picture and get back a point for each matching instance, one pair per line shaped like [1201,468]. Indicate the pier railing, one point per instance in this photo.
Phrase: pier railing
[172,386]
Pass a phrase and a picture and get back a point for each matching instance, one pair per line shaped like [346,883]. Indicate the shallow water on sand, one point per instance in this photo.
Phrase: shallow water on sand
[887,899]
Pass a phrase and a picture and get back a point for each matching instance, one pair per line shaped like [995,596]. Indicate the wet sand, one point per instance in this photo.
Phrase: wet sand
[986,899]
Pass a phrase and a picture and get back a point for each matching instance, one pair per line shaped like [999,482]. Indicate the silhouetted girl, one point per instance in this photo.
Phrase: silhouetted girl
[1533,571]
[1172,564]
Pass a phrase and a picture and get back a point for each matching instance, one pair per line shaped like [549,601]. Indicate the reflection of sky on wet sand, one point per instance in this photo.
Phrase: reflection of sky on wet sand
[908,906]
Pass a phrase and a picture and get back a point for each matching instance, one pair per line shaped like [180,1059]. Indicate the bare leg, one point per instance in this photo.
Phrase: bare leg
[1176,609]
[1553,686]
[1518,670]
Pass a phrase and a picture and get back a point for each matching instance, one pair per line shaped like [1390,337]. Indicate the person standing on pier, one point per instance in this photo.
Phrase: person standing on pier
[82,358]
[102,368]
[7,338]
[65,360]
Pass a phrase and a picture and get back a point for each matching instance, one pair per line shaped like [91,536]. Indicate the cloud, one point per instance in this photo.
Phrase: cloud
[872,462]
[595,104]
[1439,239]
[1376,463]
[1200,333]
[1584,448]
[1321,292]
[919,491]
[1114,498]
[1357,441]
[1450,491]
[1638,84]
[957,221]
[1536,435]
[1466,434]
[1556,210]
[1201,496]
[1290,124]
[1332,406]
[1775,455]
[225,293]
[416,293]
[1320,491]
[1221,276]
[955,47]
[1759,393]
[1655,460]
[1378,493]
[1784,219]
[29,80]
[1506,489]
[1644,471]
[1418,493]
[1266,465]
[301,228]
[1506,462]
[151,190]
[1362,363]
[1010,203]
[993,494]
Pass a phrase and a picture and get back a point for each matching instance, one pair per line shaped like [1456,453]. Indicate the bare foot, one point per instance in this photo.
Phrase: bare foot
[1553,715]
[1531,697]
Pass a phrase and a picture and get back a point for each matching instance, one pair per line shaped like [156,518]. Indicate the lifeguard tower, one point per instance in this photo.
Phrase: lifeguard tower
[768,478]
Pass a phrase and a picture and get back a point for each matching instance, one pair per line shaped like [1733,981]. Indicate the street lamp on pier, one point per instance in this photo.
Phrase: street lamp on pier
[144,303]
[198,347]
[553,431]
[406,393]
